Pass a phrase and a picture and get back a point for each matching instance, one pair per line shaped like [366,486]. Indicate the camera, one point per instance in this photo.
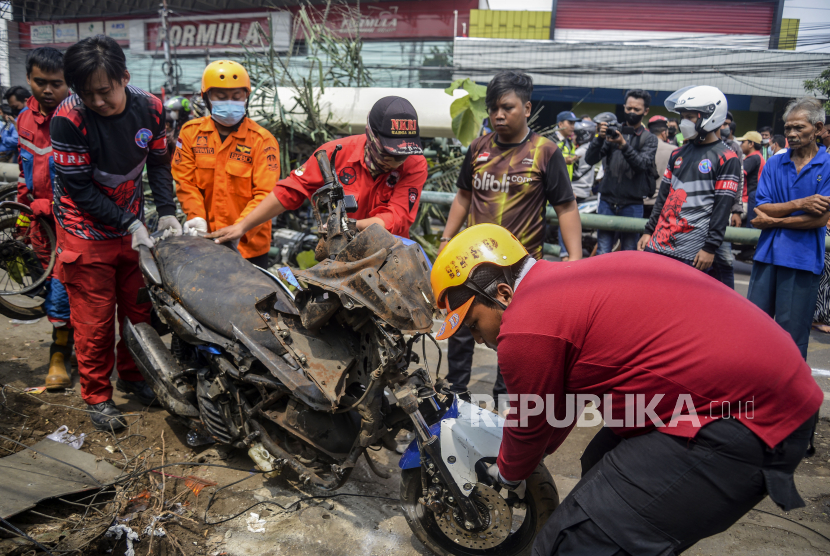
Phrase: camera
[612,130]
[7,110]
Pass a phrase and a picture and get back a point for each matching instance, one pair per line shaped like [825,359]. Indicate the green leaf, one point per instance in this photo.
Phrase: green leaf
[466,127]
[306,259]
[454,85]
[459,105]
[475,90]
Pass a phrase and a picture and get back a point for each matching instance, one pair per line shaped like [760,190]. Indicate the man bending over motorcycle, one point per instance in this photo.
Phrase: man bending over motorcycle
[697,431]
[383,168]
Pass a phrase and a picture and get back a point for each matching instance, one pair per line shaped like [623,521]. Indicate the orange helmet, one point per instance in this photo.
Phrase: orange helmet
[483,243]
[225,74]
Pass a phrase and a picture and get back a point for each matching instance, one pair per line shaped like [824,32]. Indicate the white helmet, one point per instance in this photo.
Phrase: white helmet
[709,101]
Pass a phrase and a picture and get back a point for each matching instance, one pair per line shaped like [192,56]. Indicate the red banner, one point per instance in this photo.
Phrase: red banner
[392,21]
[200,33]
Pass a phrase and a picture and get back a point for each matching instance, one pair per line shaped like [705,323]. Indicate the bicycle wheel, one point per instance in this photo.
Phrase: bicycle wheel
[21,271]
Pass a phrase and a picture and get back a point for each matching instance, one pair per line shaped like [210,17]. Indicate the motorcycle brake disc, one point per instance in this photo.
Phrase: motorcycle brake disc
[495,514]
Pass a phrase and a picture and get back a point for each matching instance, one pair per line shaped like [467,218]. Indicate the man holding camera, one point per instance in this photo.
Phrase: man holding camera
[627,153]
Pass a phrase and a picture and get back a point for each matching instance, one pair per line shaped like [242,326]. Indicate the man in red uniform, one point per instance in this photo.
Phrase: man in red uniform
[698,430]
[383,168]
[44,72]
[103,137]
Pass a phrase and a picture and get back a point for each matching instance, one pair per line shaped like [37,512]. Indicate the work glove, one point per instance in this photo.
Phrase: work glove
[195,226]
[41,208]
[517,487]
[140,235]
[170,226]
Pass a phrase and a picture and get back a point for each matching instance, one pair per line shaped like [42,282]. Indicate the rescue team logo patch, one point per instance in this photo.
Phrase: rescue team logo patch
[273,163]
[243,149]
[705,166]
[177,158]
[483,157]
[404,127]
[26,134]
[678,162]
[392,179]
[241,157]
[202,150]
[201,140]
[413,197]
[299,171]
[143,137]
[347,175]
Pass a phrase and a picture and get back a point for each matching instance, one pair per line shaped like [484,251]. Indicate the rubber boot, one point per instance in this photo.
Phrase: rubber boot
[59,352]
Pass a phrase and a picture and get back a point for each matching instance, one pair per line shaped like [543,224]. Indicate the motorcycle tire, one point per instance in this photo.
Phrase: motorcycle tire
[541,500]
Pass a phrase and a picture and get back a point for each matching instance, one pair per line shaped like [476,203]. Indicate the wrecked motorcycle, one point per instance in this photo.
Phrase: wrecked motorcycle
[309,377]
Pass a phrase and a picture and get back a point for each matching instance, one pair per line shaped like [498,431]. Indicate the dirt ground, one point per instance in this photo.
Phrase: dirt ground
[256,515]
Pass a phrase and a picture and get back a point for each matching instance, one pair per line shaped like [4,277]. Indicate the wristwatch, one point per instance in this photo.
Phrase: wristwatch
[443,239]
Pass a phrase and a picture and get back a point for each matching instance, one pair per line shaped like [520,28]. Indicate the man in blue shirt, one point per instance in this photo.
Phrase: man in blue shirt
[792,208]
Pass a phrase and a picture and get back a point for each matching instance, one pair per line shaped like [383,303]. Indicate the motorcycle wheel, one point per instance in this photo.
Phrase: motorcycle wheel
[540,501]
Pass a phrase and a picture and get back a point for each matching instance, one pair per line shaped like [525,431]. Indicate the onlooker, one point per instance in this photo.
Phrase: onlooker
[44,71]
[565,138]
[658,126]
[825,134]
[699,184]
[582,180]
[8,139]
[779,145]
[628,163]
[793,204]
[506,178]
[766,141]
[675,137]
[753,164]
[16,97]
[723,267]
[586,118]
[103,136]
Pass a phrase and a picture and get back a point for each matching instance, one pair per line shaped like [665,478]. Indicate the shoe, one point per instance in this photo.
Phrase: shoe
[58,377]
[140,389]
[106,417]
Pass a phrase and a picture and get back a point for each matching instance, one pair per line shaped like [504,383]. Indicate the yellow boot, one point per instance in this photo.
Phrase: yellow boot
[58,378]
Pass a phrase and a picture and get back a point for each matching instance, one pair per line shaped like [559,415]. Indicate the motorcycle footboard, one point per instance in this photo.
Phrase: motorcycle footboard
[159,368]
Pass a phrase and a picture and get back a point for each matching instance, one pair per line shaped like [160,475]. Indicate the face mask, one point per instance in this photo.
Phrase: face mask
[672,132]
[725,132]
[765,142]
[687,128]
[227,112]
[633,119]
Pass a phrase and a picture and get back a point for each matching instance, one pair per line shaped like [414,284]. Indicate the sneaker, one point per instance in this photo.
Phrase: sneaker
[106,417]
[140,389]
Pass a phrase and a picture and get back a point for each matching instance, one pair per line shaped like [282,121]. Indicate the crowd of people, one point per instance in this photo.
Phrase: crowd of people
[84,137]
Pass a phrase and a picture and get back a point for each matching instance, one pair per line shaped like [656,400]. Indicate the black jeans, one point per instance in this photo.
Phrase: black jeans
[460,348]
[657,494]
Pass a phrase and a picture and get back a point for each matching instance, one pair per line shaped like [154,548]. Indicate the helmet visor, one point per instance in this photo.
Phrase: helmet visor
[671,102]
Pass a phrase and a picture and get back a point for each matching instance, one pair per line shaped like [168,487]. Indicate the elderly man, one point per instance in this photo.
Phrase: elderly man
[792,203]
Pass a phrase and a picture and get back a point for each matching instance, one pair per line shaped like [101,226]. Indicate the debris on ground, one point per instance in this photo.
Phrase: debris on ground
[63,436]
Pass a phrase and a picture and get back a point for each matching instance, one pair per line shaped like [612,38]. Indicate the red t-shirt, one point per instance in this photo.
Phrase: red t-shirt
[640,324]
[393,197]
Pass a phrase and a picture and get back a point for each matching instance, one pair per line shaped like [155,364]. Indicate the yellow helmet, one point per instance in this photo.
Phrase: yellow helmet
[225,74]
[483,243]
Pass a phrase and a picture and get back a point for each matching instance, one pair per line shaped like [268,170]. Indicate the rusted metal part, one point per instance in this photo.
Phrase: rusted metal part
[305,473]
[332,435]
[376,271]
[293,379]
[318,308]
[215,284]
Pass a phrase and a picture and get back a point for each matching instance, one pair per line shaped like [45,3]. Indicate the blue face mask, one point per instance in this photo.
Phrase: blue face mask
[227,112]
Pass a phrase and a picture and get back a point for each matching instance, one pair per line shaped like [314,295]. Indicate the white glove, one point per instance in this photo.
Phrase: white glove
[140,235]
[518,487]
[195,226]
[170,226]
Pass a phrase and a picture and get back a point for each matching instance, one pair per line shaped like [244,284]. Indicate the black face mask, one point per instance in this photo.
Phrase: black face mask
[632,119]
[725,133]
[672,133]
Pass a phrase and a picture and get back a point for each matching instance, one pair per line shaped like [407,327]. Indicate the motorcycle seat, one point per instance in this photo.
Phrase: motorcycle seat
[217,286]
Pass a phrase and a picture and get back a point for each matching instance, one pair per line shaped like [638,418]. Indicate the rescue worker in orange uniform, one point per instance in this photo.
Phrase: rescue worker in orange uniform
[383,168]
[225,164]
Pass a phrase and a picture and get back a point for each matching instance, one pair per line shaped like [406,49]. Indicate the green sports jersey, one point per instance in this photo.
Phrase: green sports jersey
[511,182]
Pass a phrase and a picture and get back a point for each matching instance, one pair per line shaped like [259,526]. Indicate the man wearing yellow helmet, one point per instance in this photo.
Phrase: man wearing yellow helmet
[697,431]
[225,164]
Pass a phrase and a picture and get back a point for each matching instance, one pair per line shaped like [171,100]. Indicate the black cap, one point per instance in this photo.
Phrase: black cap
[395,123]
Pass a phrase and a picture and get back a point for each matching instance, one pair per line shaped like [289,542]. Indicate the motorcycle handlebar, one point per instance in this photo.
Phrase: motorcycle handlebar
[325,167]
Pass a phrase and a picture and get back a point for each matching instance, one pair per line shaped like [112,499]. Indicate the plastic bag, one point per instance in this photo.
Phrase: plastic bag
[62,435]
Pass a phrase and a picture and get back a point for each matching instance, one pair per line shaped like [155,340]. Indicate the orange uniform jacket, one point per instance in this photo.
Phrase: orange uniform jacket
[393,197]
[223,182]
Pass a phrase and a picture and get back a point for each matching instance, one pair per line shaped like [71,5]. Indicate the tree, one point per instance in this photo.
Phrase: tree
[820,86]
